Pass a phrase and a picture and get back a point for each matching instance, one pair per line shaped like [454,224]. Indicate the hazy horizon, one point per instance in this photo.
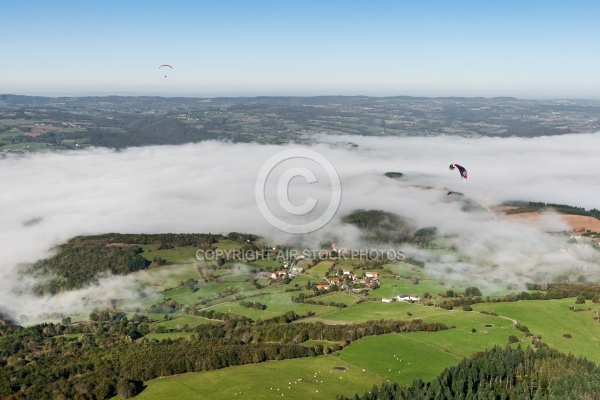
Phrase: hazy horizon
[531,50]
[274,94]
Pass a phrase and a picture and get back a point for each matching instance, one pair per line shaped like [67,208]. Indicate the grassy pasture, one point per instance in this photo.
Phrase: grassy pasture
[460,341]
[298,379]
[398,357]
[168,276]
[552,319]
[374,310]
[406,270]
[190,320]
[320,270]
[394,287]
[277,304]
[182,254]
[302,280]
[267,264]
[237,277]
[338,297]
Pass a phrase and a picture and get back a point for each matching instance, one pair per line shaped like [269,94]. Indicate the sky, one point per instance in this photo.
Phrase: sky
[210,187]
[526,49]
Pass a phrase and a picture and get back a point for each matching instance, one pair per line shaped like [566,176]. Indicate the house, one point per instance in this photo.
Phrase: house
[410,299]
[322,287]
[297,269]
[347,272]
[387,300]
[279,274]
[370,274]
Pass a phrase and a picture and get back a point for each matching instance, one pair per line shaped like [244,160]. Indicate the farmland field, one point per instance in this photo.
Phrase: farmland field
[552,319]
[313,378]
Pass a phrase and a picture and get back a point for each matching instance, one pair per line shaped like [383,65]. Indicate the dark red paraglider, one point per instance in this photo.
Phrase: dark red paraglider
[461,169]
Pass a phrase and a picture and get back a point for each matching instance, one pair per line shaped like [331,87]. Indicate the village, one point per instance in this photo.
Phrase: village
[337,278]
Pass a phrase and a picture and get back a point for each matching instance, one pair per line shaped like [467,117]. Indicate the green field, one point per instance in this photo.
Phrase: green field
[181,254]
[338,297]
[400,358]
[189,320]
[395,287]
[277,304]
[312,378]
[375,310]
[552,319]
[320,270]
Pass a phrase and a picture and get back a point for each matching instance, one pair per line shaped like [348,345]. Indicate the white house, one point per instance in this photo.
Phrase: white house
[410,299]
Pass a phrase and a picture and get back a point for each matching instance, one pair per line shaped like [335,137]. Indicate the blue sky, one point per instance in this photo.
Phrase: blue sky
[527,49]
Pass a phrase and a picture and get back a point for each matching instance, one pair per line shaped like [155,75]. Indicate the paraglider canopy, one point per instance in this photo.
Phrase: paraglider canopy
[165,66]
[461,169]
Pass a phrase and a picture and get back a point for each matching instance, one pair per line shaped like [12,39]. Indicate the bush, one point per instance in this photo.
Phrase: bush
[467,308]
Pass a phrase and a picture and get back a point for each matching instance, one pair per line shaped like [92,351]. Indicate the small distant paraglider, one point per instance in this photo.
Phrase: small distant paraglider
[165,66]
[461,169]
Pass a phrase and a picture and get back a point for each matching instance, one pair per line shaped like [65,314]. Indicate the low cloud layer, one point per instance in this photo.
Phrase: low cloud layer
[210,187]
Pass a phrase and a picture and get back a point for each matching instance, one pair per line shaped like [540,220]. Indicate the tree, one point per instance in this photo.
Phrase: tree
[144,328]
[126,388]
[472,291]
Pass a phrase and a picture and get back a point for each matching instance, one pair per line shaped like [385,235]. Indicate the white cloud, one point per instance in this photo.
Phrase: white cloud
[209,187]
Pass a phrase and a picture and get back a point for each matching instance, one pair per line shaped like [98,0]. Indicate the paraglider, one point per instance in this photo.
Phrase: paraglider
[165,66]
[461,169]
